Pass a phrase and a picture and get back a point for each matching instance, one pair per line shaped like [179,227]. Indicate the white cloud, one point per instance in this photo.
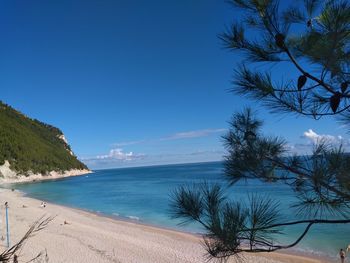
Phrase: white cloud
[117,154]
[192,134]
[315,138]
[117,157]
[114,155]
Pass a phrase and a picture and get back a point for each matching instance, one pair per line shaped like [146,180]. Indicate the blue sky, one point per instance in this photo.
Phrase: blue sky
[131,82]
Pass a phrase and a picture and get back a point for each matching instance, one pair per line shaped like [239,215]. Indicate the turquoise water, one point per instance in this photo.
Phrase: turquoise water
[142,194]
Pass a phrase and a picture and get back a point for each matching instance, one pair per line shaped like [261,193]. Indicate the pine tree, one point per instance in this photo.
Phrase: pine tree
[313,36]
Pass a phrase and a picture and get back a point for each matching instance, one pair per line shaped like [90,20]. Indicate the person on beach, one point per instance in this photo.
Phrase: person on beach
[65,223]
[342,255]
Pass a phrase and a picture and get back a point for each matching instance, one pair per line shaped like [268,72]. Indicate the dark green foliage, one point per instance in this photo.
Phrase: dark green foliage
[313,36]
[320,181]
[230,226]
[30,145]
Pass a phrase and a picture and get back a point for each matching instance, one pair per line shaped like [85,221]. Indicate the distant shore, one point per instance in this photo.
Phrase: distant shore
[10,177]
[88,237]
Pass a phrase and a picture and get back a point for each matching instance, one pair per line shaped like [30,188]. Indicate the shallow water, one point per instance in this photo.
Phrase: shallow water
[142,194]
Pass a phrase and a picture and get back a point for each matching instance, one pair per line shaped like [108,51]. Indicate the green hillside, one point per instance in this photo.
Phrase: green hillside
[30,145]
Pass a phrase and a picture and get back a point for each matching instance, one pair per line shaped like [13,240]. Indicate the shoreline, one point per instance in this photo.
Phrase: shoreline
[51,176]
[293,253]
[99,223]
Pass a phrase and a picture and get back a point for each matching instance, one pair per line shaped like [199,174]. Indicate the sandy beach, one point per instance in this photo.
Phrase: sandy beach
[92,238]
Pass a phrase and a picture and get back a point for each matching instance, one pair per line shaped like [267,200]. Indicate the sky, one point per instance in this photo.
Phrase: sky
[133,83]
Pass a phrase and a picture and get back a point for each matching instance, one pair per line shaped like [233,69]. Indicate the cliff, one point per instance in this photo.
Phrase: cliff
[32,149]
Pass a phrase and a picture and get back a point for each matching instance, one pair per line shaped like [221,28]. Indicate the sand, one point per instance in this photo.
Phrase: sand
[89,237]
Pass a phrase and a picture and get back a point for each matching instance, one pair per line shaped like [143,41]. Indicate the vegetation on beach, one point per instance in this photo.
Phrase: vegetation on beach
[314,39]
[30,145]
[11,254]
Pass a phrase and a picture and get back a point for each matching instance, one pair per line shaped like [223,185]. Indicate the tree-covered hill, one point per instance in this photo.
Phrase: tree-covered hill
[30,145]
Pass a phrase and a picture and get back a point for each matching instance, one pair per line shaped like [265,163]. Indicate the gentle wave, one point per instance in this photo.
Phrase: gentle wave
[309,251]
[133,217]
[142,195]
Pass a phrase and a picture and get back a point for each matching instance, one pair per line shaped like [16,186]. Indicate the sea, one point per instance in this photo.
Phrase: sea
[142,194]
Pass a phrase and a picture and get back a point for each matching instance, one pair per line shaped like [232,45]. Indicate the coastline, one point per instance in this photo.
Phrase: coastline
[8,176]
[91,237]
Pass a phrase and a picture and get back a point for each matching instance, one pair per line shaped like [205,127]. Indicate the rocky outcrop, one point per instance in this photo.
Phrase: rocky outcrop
[8,176]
